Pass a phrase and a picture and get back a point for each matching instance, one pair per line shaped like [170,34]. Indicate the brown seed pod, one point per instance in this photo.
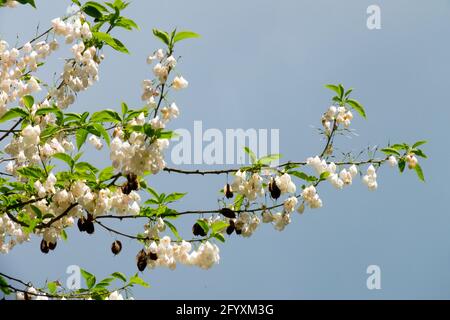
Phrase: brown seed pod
[141,259]
[44,246]
[116,247]
[228,213]
[197,230]
[90,217]
[89,227]
[230,228]
[153,256]
[275,192]
[228,192]
[132,184]
[52,245]
[81,224]
[238,231]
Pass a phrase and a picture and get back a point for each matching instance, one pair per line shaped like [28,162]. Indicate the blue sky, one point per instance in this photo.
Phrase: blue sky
[263,64]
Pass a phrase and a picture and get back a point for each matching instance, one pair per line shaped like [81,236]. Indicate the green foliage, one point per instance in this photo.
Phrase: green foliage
[343,98]
[89,278]
[170,39]
[139,281]
[30,2]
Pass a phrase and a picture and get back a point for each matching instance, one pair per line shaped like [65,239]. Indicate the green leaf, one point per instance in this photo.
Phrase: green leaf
[401,165]
[186,34]
[419,172]
[44,111]
[36,211]
[126,23]
[4,286]
[107,115]
[419,143]
[52,287]
[110,41]
[32,172]
[85,166]
[13,113]
[419,153]
[80,137]
[173,229]
[106,174]
[334,88]
[92,9]
[324,175]
[89,278]
[137,280]
[152,192]
[399,146]
[219,237]
[102,132]
[251,154]
[357,106]
[269,158]
[219,226]
[30,2]
[120,276]
[124,109]
[64,157]
[97,5]
[204,225]
[104,283]
[302,175]
[162,35]
[174,197]
[64,235]
[390,151]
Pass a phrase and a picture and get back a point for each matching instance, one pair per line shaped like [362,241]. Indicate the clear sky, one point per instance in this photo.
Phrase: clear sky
[263,64]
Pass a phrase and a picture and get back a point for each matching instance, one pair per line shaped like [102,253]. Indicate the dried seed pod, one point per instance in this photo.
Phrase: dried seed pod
[153,256]
[275,192]
[131,184]
[52,245]
[81,224]
[197,230]
[44,246]
[230,228]
[89,227]
[90,217]
[228,213]
[116,247]
[141,259]
[228,192]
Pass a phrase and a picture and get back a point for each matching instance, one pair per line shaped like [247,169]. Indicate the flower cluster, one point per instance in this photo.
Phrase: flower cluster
[81,71]
[338,180]
[337,115]
[137,155]
[310,196]
[11,234]
[370,179]
[249,186]
[246,224]
[168,254]
[15,67]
